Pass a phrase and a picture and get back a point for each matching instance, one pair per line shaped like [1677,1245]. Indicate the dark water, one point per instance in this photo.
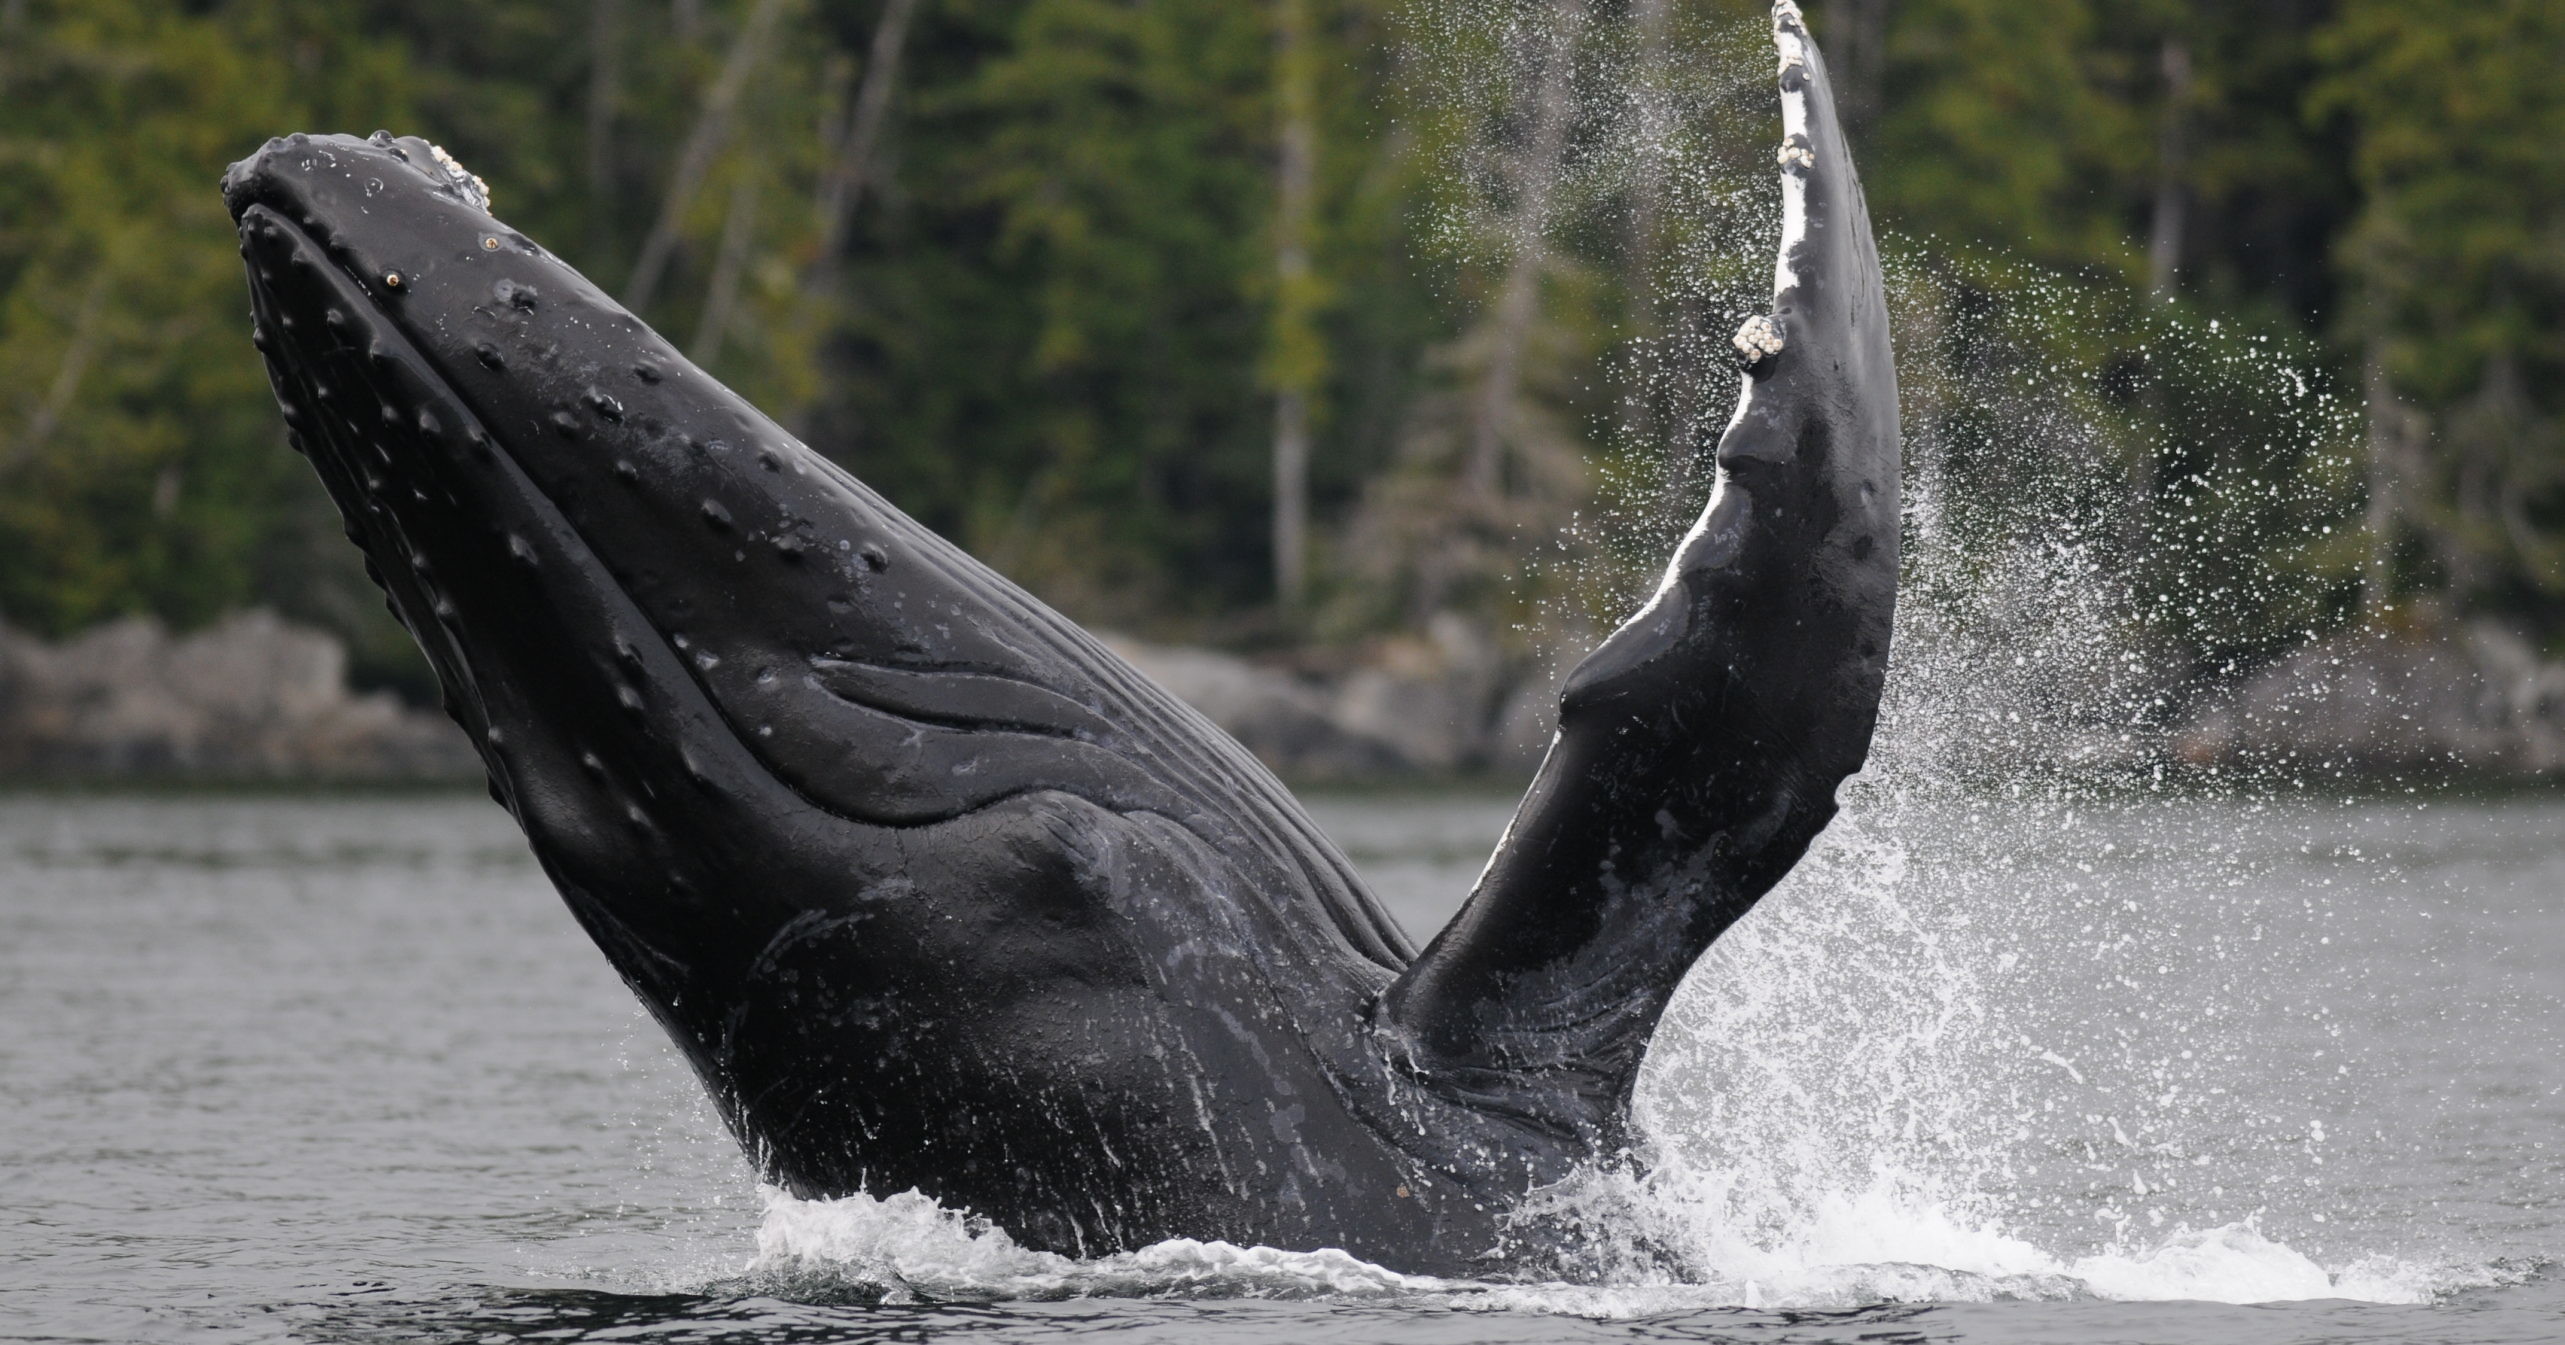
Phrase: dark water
[344,1070]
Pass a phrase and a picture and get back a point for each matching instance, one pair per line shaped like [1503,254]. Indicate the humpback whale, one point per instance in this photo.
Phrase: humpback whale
[935,892]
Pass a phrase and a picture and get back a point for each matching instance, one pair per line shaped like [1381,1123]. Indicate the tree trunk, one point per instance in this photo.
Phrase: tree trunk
[1535,181]
[1295,359]
[721,298]
[77,354]
[850,169]
[605,90]
[1655,129]
[1291,498]
[841,190]
[2395,431]
[712,128]
[2172,166]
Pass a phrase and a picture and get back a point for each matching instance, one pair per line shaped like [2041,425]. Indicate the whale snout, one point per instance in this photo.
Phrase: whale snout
[318,171]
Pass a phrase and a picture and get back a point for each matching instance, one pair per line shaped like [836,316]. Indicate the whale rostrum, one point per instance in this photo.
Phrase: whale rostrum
[934,891]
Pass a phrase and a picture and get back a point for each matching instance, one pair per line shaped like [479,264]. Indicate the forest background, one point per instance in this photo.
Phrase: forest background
[1288,324]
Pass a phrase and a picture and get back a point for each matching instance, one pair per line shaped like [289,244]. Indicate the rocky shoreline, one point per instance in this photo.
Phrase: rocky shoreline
[2468,698]
[252,697]
[257,698]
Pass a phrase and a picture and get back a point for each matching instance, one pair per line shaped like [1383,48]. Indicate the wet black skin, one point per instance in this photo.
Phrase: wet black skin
[935,892]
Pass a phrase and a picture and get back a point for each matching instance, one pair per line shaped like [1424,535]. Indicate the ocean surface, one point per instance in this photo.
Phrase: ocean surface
[2118,1069]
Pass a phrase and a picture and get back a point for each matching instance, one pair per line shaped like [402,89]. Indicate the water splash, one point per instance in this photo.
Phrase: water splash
[1874,1249]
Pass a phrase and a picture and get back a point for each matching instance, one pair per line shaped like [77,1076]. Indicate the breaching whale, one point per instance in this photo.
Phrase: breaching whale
[933,890]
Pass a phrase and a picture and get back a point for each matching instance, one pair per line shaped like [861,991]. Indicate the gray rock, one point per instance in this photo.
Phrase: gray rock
[2474,697]
[1287,721]
[1445,703]
[256,697]
[251,697]
[1433,699]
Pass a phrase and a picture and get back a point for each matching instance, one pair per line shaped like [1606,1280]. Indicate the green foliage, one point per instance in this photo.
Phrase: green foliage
[2456,261]
[2003,135]
[1057,325]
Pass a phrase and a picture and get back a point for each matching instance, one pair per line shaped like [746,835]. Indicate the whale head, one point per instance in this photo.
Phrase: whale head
[620,570]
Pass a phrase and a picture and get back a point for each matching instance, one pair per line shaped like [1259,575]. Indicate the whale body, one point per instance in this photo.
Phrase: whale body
[934,891]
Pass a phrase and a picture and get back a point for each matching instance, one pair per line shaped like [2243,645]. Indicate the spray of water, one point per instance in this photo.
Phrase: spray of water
[2029,1021]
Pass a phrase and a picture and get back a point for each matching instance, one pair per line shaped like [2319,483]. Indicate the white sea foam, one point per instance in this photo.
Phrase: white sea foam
[1867,1248]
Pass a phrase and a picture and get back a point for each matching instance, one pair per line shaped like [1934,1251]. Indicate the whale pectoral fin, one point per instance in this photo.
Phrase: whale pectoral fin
[1700,747]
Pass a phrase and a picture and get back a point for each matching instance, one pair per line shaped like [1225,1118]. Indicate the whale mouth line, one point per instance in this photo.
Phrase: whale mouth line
[336,446]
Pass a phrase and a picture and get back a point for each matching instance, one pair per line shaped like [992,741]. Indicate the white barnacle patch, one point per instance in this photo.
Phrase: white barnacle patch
[1756,341]
[1793,48]
[1796,157]
[1787,11]
[465,181]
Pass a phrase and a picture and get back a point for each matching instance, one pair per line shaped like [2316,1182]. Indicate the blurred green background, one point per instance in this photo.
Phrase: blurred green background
[1283,323]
